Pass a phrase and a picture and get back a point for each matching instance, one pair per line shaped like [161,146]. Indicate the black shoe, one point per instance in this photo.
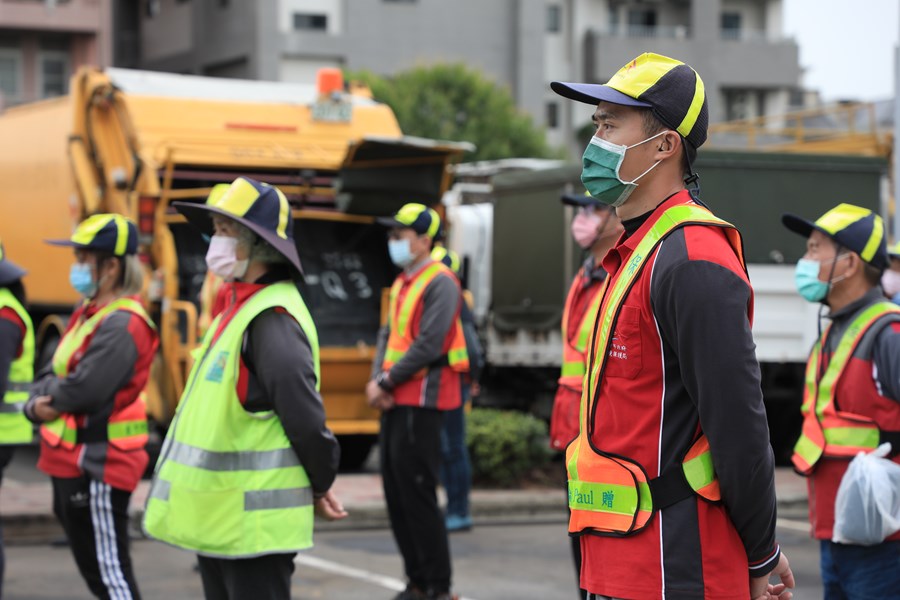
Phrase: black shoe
[411,593]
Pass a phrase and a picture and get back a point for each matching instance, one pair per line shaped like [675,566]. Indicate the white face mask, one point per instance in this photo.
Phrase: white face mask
[221,258]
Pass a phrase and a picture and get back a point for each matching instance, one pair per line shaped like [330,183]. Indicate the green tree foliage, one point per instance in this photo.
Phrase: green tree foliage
[455,102]
[505,445]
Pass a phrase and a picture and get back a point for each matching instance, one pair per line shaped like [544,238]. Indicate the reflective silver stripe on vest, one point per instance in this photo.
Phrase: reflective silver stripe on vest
[273,499]
[191,456]
[160,489]
[19,386]
[253,500]
[11,407]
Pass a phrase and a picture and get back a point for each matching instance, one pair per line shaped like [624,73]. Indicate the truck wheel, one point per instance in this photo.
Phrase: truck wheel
[47,350]
[355,450]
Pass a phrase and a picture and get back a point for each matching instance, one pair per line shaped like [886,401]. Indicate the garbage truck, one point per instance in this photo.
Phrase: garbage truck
[512,234]
[132,142]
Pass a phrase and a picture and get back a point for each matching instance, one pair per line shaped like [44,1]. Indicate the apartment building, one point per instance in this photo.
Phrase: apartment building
[737,45]
[42,42]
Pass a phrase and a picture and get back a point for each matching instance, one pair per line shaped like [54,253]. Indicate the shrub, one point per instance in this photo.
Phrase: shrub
[505,445]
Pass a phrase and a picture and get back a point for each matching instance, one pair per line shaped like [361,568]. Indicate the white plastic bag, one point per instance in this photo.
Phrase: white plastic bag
[867,507]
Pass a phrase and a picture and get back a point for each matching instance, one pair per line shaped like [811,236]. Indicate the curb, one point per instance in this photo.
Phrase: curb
[489,507]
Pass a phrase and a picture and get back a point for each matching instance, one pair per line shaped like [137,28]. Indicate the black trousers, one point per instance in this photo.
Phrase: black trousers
[266,577]
[410,442]
[94,516]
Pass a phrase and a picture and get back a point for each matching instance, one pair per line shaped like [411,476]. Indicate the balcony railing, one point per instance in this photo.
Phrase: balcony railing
[749,35]
[645,32]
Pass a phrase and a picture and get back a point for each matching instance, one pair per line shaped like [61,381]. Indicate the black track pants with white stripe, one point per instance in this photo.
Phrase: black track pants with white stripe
[95,518]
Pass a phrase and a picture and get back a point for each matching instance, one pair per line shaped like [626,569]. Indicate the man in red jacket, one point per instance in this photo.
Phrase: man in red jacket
[672,474]
[852,395]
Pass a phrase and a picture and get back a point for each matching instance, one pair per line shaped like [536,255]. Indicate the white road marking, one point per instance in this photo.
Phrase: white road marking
[384,581]
[802,526]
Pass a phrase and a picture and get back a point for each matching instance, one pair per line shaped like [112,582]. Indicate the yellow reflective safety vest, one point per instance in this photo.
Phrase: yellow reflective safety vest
[126,427]
[14,427]
[228,483]
[574,349]
[402,315]
[611,494]
[827,431]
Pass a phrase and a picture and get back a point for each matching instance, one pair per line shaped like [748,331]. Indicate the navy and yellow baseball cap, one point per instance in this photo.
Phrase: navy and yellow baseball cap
[446,256]
[583,200]
[103,232]
[418,217]
[894,251]
[260,207]
[670,88]
[855,228]
[9,271]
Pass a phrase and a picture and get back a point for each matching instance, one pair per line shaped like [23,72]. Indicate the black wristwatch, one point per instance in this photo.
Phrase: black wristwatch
[384,382]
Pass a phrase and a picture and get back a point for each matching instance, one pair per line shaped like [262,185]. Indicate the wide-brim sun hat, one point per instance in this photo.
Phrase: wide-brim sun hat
[260,207]
[853,227]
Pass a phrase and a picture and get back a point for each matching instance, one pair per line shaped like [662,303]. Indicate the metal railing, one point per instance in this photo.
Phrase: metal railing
[646,31]
[841,128]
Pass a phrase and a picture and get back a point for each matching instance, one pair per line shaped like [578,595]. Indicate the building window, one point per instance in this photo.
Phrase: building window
[552,115]
[731,26]
[641,22]
[310,22]
[554,18]
[10,74]
[53,75]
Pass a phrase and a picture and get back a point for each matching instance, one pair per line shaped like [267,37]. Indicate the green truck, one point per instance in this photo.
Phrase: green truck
[519,279]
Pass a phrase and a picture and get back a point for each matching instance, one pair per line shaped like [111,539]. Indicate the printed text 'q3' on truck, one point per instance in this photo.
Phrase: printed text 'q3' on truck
[132,142]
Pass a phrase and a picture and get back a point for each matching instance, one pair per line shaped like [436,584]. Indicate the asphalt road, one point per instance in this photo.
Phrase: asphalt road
[502,562]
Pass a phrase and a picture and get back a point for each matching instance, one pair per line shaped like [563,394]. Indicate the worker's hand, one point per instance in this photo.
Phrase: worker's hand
[761,589]
[373,392]
[377,397]
[386,402]
[475,389]
[329,507]
[42,409]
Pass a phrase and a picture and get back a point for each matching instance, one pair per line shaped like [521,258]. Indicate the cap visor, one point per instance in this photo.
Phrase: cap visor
[579,200]
[389,222]
[10,272]
[68,243]
[200,216]
[594,93]
[798,225]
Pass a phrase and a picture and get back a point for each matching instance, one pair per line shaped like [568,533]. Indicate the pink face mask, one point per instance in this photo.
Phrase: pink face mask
[586,228]
[890,281]
[222,260]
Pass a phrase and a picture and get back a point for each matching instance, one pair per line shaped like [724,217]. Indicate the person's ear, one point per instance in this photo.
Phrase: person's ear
[667,145]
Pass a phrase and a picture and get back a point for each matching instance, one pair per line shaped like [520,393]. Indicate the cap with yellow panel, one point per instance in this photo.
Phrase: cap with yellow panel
[418,217]
[853,227]
[446,256]
[670,88]
[104,232]
[260,207]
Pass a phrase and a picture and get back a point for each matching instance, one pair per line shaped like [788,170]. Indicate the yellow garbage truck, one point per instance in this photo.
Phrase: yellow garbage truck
[131,142]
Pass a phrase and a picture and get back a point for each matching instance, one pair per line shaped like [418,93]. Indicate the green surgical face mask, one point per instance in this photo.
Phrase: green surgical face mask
[600,170]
